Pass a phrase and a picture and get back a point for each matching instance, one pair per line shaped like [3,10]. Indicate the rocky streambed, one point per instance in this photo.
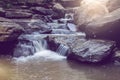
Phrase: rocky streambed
[52,41]
[26,29]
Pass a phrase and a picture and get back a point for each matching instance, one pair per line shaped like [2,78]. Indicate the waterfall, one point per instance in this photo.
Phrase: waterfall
[62,50]
[35,47]
[29,45]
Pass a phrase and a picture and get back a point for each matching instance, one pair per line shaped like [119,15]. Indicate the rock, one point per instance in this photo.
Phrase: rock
[56,25]
[18,14]
[58,6]
[38,25]
[60,11]
[92,51]
[2,12]
[70,3]
[106,27]
[90,11]
[42,11]
[61,31]
[63,43]
[116,57]
[9,32]
[72,27]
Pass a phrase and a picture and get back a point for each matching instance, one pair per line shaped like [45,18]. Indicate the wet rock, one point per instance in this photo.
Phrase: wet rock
[42,11]
[92,51]
[9,32]
[63,43]
[106,27]
[18,14]
[59,11]
[71,3]
[72,27]
[56,25]
[38,25]
[61,31]
[2,12]
[116,57]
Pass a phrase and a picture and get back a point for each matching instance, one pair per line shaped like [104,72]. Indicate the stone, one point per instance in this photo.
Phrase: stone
[2,12]
[64,42]
[92,51]
[61,31]
[59,11]
[106,27]
[9,33]
[38,25]
[18,14]
[42,11]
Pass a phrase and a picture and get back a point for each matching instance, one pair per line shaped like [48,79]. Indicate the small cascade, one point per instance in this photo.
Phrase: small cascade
[34,47]
[28,45]
[62,50]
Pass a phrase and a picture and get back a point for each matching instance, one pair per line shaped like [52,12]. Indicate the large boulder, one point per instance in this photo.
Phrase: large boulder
[106,27]
[92,51]
[63,43]
[89,11]
[9,32]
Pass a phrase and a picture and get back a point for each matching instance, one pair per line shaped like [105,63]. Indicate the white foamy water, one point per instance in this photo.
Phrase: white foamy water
[45,55]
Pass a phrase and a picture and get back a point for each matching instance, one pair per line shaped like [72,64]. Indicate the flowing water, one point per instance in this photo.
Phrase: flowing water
[34,62]
[47,65]
[56,69]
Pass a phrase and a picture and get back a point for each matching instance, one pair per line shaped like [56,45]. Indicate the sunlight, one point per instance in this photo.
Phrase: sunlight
[93,9]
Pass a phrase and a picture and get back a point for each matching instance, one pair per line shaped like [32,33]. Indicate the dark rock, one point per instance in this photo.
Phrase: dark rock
[63,43]
[9,32]
[2,12]
[18,14]
[42,11]
[92,51]
[59,11]
[106,27]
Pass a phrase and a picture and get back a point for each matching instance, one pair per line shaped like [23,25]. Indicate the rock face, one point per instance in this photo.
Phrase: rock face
[106,27]
[9,33]
[92,51]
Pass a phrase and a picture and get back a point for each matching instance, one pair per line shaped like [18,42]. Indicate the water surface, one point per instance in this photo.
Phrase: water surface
[43,68]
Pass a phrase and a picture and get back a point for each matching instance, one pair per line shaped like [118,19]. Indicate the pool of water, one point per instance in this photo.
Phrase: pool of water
[38,69]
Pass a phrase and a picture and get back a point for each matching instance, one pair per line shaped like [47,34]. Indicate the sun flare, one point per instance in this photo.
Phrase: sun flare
[93,9]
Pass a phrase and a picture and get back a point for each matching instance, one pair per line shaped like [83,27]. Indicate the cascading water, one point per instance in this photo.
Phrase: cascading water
[34,47]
